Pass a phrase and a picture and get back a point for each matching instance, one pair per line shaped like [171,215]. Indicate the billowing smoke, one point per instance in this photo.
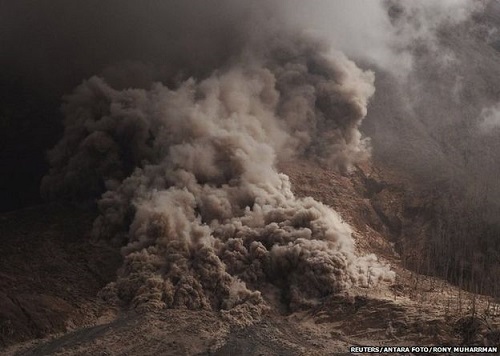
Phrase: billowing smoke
[194,102]
[383,33]
[427,120]
[191,187]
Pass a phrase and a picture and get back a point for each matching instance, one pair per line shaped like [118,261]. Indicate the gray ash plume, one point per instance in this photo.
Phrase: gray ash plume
[191,186]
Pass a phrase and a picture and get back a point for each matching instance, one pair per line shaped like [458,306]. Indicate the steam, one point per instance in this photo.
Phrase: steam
[383,33]
[424,119]
[191,185]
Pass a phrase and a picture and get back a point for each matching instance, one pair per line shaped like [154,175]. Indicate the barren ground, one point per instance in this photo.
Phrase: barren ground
[50,274]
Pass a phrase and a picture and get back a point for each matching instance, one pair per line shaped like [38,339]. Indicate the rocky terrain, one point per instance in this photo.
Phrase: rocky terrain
[53,273]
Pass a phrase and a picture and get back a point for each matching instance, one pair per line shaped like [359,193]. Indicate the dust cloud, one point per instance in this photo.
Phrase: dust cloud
[191,183]
[190,105]
[187,172]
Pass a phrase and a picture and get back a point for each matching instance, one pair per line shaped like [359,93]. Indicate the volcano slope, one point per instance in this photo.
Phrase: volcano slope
[230,206]
[52,297]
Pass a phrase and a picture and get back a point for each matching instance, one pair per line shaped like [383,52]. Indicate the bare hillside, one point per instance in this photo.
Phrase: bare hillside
[65,315]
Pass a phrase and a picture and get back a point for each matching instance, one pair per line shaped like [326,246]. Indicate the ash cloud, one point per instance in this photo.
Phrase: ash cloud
[53,46]
[48,48]
[433,85]
[190,184]
[194,102]
[427,121]
[383,33]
